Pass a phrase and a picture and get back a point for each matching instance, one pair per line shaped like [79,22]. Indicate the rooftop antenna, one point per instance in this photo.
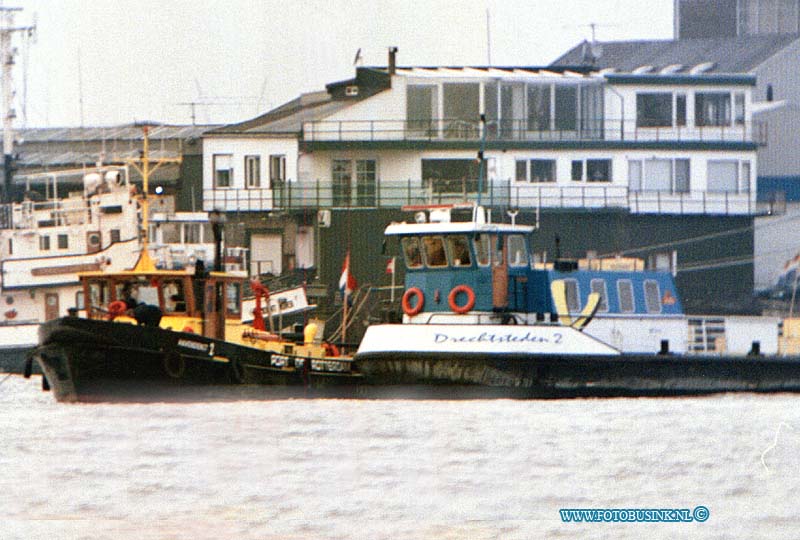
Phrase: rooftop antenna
[358,60]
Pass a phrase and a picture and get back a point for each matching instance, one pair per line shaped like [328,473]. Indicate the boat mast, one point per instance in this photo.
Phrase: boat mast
[7,53]
[145,262]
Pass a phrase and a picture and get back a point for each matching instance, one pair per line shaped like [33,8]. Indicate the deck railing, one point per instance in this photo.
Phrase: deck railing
[506,193]
[454,129]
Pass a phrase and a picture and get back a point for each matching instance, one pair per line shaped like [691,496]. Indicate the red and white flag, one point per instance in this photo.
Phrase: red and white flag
[347,283]
[390,266]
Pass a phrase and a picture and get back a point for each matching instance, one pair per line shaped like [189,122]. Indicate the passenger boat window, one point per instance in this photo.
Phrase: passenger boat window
[517,251]
[174,297]
[459,250]
[625,291]
[79,301]
[481,244]
[573,295]
[435,256]
[412,253]
[233,298]
[599,287]
[496,245]
[135,292]
[652,296]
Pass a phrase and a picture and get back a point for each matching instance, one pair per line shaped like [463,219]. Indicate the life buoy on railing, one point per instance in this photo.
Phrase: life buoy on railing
[408,309]
[331,349]
[115,309]
[451,299]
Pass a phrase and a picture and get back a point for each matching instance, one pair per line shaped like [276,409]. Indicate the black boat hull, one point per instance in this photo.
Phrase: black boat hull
[92,360]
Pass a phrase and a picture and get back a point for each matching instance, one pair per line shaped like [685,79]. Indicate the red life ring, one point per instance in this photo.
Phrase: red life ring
[115,309]
[406,303]
[331,349]
[451,299]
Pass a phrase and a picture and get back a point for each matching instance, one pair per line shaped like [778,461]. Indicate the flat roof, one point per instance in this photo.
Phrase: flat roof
[407,229]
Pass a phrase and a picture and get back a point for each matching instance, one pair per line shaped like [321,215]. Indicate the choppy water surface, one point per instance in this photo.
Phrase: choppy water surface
[287,469]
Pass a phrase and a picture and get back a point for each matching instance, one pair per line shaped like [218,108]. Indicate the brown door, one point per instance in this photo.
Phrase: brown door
[50,306]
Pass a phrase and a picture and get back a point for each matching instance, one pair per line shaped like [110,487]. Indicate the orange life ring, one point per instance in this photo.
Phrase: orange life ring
[406,303]
[331,349]
[115,309]
[451,299]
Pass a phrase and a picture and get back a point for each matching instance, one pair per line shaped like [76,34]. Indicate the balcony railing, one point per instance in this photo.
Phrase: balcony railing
[505,193]
[450,129]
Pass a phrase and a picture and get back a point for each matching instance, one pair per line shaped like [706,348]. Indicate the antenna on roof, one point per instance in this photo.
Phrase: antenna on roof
[358,60]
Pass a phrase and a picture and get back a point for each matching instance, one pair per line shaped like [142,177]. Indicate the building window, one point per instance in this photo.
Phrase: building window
[599,286]
[625,292]
[341,178]
[115,236]
[461,110]
[770,93]
[652,296]
[662,175]
[223,170]
[421,109]
[654,110]
[277,170]
[577,170]
[722,176]
[538,107]
[252,171]
[10,246]
[566,108]
[451,175]
[744,178]
[712,109]
[44,243]
[680,110]
[598,170]
[573,295]
[366,181]
[63,241]
[536,170]
[738,108]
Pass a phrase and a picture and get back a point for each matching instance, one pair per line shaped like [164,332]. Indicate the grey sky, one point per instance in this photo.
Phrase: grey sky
[140,59]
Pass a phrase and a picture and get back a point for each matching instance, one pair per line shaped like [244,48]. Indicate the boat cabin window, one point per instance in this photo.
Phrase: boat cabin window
[573,295]
[174,297]
[233,299]
[625,291]
[652,296]
[411,252]
[98,294]
[459,250]
[482,247]
[435,256]
[79,301]
[599,286]
[135,292]
[496,245]
[517,251]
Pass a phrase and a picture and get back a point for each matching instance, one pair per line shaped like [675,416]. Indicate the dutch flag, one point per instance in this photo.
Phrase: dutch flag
[347,283]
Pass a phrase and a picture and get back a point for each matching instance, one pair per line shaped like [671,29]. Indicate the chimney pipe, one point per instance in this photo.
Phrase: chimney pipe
[392,60]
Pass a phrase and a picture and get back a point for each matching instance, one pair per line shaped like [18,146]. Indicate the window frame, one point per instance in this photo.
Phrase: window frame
[216,171]
[277,170]
[252,171]
[656,120]
[65,243]
[577,292]
[629,285]
[602,307]
[647,305]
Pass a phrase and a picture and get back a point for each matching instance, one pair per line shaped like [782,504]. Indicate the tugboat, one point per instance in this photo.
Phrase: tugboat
[479,313]
[149,329]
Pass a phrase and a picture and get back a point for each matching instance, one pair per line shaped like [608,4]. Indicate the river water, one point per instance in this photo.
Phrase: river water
[394,469]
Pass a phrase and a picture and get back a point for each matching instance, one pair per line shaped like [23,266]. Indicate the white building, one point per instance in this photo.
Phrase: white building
[671,150]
